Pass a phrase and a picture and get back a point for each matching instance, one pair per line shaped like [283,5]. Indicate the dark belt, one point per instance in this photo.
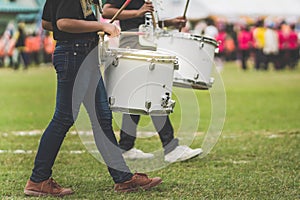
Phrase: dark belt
[87,42]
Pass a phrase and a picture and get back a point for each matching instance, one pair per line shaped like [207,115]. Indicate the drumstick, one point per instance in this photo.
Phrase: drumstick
[184,13]
[119,11]
[153,20]
[116,15]
[101,33]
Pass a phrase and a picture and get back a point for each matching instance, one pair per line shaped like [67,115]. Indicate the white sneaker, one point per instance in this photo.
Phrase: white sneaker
[134,153]
[181,153]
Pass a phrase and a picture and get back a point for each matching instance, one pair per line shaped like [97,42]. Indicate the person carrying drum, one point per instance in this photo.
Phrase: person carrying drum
[76,63]
[130,20]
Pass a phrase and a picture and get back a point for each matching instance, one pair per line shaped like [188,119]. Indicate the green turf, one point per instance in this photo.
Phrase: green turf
[256,157]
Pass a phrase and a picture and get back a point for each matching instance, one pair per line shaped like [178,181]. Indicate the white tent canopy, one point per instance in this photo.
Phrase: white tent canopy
[230,8]
[175,8]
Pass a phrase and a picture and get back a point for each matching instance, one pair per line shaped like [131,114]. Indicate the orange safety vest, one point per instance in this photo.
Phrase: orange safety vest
[33,44]
[49,45]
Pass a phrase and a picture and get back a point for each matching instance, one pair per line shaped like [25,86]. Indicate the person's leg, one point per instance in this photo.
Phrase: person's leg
[280,60]
[62,120]
[267,61]
[276,61]
[166,132]
[272,60]
[96,103]
[244,59]
[172,150]
[1,61]
[261,60]
[26,59]
[16,65]
[293,58]
[286,58]
[130,121]
[257,59]
[128,131]
[128,136]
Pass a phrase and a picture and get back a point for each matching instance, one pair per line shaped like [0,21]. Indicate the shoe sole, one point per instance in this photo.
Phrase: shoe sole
[144,187]
[152,184]
[41,194]
[191,156]
[186,158]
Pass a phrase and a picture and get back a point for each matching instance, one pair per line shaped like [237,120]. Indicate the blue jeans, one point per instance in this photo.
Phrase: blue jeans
[79,81]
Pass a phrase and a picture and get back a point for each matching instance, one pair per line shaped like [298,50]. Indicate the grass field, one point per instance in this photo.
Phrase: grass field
[256,157]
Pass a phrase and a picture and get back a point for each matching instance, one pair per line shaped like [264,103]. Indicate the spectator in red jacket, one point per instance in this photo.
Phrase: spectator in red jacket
[293,47]
[245,41]
[220,38]
[284,53]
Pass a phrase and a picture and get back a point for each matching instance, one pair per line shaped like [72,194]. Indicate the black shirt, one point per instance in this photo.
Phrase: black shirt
[133,23]
[21,40]
[72,9]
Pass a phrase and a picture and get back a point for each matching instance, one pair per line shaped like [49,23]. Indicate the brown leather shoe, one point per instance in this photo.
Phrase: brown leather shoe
[138,181]
[48,187]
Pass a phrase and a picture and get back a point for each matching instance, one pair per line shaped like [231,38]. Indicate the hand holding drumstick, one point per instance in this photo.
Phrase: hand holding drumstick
[147,7]
[184,13]
[177,22]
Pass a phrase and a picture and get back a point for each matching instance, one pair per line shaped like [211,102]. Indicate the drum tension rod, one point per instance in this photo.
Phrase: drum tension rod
[148,105]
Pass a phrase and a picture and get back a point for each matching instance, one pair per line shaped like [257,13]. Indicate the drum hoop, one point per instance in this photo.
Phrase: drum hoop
[140,111]
[200,38]
[187,83]
[148,59]
[205,39]
[144,55]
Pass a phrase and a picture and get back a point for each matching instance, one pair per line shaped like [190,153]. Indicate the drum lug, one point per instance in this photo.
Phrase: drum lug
[176,65]
[201,45]
[217,50]
[172,104]
[111,100]
[148,104]
[165,100]
[211,81]
[152,66]
[115,62]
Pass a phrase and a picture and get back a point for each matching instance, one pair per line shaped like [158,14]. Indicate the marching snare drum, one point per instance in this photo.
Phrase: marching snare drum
[140,81]
[195,55]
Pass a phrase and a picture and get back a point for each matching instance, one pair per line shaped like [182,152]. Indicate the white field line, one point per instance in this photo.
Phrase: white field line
[83,133]
[27,133]
[140,134]
[21,151]
[275,136]
[236,162]
[240,162]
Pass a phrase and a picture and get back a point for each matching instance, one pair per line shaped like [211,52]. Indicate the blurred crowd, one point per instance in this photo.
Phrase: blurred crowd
[261,44]
[20,48]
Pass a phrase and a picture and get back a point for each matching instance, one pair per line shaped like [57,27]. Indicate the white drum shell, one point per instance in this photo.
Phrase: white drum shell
[139,81]
[195,57]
